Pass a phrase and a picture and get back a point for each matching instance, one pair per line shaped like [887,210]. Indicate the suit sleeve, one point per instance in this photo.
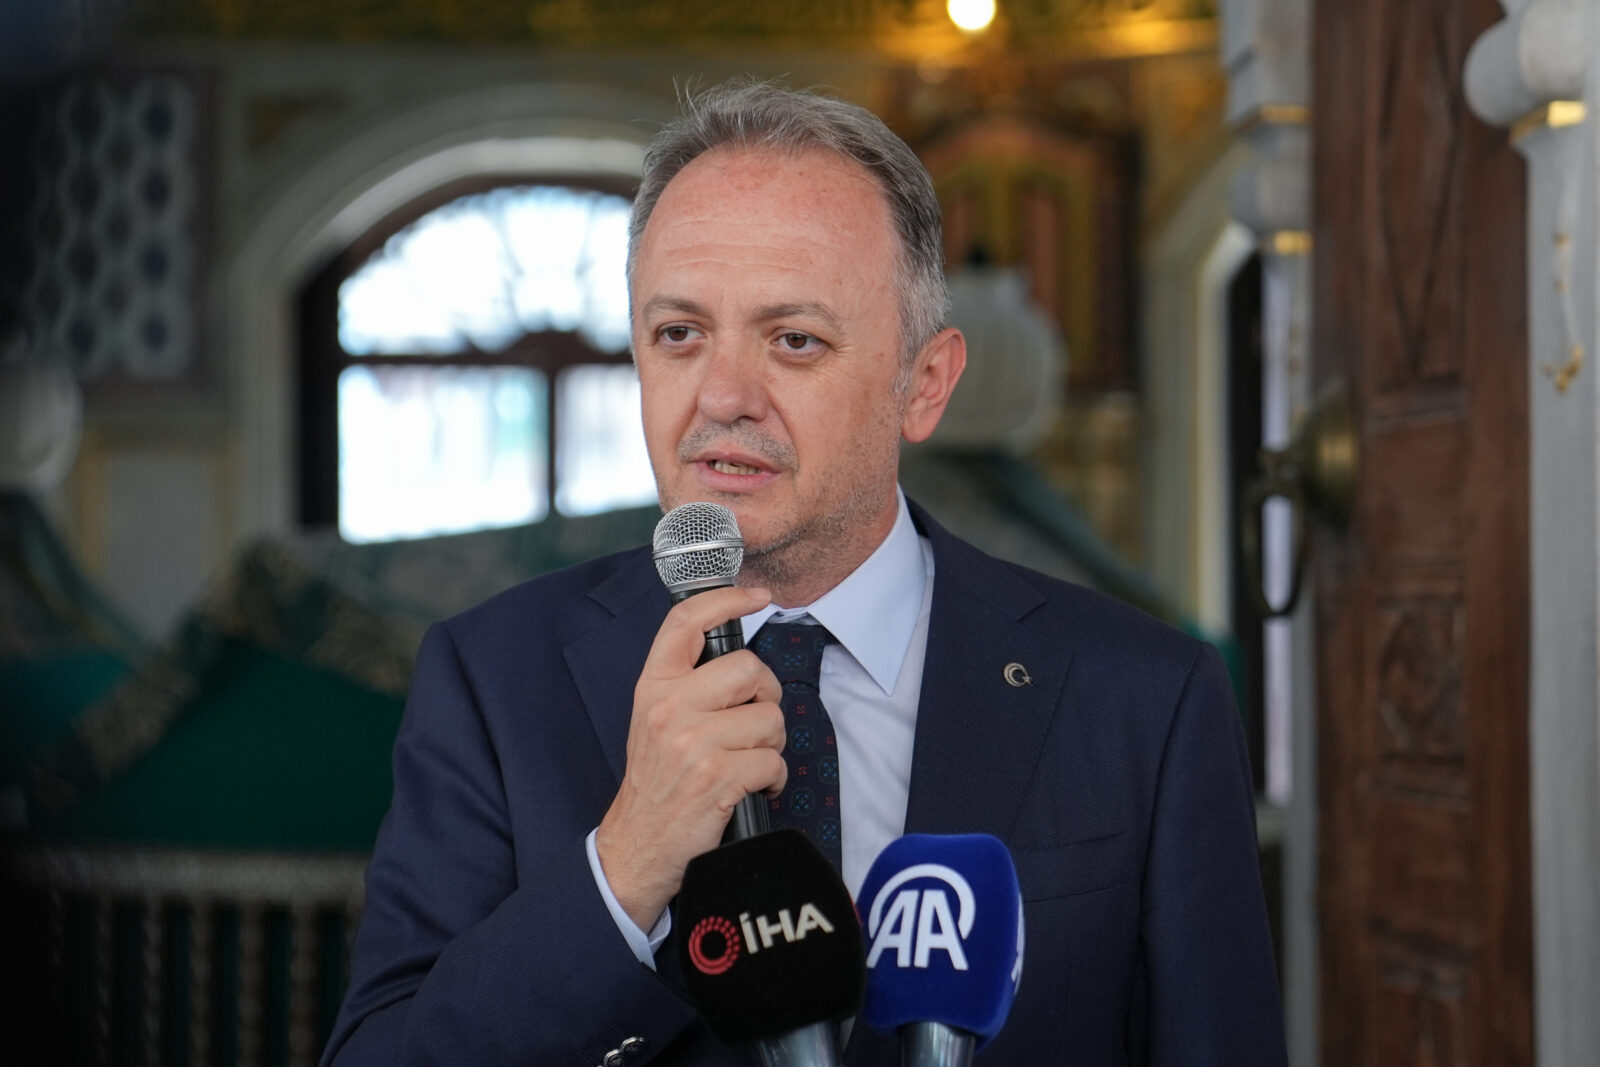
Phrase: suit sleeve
[1209,982]
[458,959]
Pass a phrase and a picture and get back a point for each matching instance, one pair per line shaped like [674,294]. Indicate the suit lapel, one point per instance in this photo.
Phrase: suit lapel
[605,662]
[979,736]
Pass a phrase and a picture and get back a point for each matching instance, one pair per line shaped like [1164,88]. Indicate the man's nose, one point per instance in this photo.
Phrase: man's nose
[733,384]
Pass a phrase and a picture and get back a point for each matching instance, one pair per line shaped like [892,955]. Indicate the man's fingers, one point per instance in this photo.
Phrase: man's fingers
[737,678]
[757,725]
[758,767]
[682,635]
[755,735]
[770,773]
[726,682]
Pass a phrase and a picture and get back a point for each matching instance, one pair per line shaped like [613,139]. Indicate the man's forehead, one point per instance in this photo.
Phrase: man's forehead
[752,236]
[737,172]
[764,208]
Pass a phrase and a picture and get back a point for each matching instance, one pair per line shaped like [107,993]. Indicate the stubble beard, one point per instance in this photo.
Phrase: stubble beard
[808,555]
[806,558]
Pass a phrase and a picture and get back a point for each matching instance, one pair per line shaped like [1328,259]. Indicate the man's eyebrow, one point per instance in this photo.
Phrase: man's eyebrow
[681,304]
[807,309]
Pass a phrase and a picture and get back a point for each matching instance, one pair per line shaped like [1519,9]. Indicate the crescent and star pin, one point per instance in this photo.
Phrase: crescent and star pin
[1016,675]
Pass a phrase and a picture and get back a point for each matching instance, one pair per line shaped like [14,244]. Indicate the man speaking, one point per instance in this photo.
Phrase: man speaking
[562,757]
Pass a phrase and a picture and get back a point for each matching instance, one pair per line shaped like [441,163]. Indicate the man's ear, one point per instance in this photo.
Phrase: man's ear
[933,377]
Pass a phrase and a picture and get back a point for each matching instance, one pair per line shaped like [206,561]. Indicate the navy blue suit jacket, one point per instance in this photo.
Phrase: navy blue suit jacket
[1118,779]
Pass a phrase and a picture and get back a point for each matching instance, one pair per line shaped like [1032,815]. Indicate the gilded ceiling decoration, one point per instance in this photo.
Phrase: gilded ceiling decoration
[900,28]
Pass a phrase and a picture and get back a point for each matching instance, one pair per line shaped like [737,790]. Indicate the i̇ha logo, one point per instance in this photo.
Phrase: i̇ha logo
[714,926]
[759,933]
[915,923]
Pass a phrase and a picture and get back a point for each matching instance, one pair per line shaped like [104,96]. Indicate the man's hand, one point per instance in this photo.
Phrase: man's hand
[700,739]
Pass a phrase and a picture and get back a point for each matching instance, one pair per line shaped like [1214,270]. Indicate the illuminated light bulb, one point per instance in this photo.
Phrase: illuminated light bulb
[971,16]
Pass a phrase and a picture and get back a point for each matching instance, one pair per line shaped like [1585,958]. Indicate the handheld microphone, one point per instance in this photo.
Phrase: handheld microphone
[943,918]
[784,1006]
[771,948]
[697,546]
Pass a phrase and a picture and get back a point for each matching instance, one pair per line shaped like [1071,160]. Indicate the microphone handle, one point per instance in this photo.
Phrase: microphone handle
[816,1045]
[936,1045]
[720,640]
[750,816]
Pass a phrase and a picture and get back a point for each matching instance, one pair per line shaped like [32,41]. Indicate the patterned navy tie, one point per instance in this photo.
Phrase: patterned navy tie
[810,800]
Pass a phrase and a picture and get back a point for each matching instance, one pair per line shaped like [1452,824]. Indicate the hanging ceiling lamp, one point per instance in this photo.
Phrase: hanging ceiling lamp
[971,16]
[1012,391]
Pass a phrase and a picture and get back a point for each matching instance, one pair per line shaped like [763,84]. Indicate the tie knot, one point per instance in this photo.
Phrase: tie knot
[793,650]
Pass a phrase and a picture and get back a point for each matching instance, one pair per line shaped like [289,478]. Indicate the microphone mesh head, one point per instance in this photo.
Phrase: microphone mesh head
[698,544]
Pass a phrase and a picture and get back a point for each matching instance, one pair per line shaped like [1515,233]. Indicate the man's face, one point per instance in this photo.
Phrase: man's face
[766,330]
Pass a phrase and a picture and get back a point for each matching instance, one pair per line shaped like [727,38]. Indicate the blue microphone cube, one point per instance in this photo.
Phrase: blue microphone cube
[941,916]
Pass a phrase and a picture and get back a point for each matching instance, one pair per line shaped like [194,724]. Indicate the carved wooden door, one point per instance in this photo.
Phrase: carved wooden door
[1422,606]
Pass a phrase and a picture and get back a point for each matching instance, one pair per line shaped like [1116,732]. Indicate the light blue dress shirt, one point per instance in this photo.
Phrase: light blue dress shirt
[870,683]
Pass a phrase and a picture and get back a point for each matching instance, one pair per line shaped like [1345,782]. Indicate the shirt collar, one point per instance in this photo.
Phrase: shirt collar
[873,612]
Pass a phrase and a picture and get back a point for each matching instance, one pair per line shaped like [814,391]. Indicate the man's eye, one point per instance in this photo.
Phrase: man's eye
[798,342]
[676,333]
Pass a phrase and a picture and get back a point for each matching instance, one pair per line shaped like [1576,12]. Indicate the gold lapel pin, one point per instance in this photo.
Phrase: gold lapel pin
[1017,675]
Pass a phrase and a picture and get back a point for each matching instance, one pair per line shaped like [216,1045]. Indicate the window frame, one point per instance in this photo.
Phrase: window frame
[322,358]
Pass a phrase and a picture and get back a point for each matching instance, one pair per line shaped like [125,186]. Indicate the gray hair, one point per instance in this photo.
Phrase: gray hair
[746,113]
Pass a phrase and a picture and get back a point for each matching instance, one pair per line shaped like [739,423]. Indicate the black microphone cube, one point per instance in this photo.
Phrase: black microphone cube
[768,937]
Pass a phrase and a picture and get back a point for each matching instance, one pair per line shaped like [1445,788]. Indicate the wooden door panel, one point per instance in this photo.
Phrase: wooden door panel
[1412,500]
[1424,892]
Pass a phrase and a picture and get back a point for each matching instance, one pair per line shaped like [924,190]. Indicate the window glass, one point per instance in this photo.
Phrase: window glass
[433,450]
[483,270]
[601,461]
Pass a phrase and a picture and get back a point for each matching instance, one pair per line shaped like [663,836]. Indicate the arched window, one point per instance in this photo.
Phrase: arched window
[465,365]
